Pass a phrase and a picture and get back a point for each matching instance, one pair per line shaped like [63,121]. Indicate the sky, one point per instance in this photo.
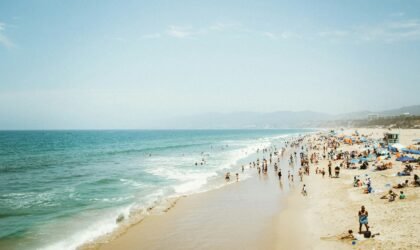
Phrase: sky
[129,64]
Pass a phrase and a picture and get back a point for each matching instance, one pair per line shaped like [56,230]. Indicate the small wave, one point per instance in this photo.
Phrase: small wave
[154,149]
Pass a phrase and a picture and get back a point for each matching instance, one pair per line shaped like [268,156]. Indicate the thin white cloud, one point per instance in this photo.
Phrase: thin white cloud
[282,35]
[403,30]
[182,32]
[394,31]
[269,35]
[4,40]
[289,34]
[397,14]
[227,28]
[179,31]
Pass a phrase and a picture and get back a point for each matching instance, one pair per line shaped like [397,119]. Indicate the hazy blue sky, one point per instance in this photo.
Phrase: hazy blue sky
[67,64]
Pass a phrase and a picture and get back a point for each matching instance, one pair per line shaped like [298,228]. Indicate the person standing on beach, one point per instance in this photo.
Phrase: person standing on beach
[301,174]
[279,174]
[304,192]
[329,169]
[363,219]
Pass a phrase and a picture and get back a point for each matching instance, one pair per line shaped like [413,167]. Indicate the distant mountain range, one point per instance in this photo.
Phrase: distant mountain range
[279,119]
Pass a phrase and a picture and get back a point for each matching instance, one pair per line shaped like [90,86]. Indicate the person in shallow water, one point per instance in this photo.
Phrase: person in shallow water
[363,219]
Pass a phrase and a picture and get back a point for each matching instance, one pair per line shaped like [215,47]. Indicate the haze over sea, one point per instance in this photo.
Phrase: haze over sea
[59,189]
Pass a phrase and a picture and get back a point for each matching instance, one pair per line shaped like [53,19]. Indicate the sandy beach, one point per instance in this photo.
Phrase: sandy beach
[263,213]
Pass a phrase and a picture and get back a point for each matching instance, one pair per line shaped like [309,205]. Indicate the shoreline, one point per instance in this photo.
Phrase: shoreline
[168,204]
[295,222]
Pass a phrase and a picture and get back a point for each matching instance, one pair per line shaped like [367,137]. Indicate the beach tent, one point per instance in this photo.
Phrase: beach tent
[406,158]
[396,147]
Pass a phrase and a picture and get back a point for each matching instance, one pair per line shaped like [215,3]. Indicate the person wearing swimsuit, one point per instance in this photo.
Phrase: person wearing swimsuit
[363,219]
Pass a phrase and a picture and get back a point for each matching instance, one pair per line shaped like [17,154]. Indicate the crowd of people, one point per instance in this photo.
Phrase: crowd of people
[305,153]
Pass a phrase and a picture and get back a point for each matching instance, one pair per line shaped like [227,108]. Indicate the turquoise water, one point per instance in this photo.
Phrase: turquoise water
[59,189]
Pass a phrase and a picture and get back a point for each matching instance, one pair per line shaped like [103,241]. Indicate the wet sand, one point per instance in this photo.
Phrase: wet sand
[238,216]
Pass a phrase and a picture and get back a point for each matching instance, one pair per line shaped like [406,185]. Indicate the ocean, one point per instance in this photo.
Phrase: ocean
[61,189]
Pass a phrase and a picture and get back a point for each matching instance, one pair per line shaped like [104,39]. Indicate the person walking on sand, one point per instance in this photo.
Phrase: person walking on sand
[301,174]
[279,174]
[329,169]
[363,219]
[304,192]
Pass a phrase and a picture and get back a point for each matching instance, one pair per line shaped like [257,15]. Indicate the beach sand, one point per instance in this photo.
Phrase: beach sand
[262,213]
[238,216]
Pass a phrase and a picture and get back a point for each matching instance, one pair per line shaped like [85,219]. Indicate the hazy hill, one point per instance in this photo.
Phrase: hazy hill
[279,119]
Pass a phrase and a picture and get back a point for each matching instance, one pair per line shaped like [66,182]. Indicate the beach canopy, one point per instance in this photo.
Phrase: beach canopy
[397,147]
[406,158]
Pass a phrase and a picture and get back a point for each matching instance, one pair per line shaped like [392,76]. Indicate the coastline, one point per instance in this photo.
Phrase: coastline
[256,198]
[258,214]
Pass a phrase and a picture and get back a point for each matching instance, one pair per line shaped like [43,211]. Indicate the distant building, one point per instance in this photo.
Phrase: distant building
[391,138]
